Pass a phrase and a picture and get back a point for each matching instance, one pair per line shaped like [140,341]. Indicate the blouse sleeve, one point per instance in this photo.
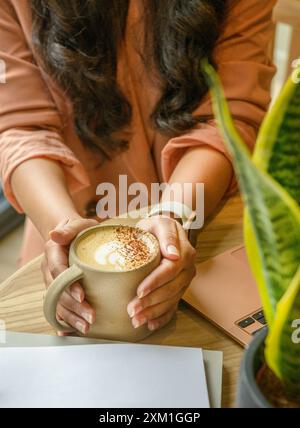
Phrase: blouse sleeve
[30,124]
[246,73]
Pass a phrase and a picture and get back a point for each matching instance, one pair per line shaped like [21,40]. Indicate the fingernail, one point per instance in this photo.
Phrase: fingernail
[138,323]
[151,326]
[88,317]
[141,294]
[131,311]
[172,250]
[80,327]
[60,334]
[76,296]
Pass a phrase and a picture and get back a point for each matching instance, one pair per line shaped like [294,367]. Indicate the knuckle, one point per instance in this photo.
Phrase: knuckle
[154,285]
[64,300]
[189,255]
[193,271]
[169,267]
[166,319]
[146,302]
[171,236]
[193,251]
[152,313]
[70,303]
[49,245]
[75,288]
[68,317]
[56,269]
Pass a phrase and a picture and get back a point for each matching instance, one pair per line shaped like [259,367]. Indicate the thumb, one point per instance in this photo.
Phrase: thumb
[169,241]
[166,232]
[66,231]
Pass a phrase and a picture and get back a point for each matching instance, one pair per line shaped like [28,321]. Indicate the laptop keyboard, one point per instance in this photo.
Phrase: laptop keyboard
[257,318]
[246,322]
[259,315]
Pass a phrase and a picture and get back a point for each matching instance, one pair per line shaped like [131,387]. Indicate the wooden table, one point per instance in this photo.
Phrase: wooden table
[21,298]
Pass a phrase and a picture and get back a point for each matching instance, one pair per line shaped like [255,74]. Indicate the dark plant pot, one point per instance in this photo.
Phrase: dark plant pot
[249,394]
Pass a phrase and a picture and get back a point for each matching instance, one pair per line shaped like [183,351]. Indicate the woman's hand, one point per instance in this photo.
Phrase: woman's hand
[72,307]
[159,294]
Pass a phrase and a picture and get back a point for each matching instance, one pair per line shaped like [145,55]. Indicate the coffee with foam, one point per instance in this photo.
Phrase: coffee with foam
[117,248]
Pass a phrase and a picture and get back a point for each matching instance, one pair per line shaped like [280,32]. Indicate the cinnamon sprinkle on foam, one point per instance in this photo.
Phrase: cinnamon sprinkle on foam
[138,248]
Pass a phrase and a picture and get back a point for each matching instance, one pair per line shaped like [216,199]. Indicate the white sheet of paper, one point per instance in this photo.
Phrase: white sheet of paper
[124,375]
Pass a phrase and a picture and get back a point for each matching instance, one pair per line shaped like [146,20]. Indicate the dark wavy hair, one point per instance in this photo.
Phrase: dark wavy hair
[78,42]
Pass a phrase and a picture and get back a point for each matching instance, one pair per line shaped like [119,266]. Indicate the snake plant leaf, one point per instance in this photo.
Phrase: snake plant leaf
[272,225]
[282,344]
[277,149]
[270,187]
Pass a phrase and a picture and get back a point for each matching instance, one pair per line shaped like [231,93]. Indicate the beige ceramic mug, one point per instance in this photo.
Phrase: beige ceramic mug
[109,292]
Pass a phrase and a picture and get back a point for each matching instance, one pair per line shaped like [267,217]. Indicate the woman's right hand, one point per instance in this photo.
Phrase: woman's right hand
[72,306]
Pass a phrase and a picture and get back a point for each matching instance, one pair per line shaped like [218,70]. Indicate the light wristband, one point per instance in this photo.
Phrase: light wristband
[181,212]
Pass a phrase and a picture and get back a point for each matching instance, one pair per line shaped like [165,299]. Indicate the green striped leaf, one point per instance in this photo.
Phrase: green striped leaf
[282,347]
[277,149]
[269,186]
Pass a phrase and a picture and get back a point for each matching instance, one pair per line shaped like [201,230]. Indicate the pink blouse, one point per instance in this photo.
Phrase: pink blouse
[36,117]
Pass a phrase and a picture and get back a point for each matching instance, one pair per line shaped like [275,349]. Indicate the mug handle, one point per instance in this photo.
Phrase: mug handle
[53,293]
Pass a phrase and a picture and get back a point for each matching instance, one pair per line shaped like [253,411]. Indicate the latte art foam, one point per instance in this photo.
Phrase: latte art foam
[117,248]
[111,253]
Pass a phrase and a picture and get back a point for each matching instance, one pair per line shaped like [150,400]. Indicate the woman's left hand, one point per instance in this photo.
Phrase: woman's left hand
[159,294]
